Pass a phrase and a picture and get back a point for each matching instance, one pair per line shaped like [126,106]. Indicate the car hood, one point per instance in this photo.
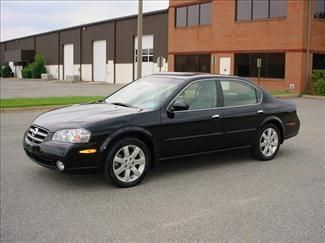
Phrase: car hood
[78,116]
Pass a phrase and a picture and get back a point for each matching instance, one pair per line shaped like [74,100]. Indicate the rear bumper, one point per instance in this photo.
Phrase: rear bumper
[49,152]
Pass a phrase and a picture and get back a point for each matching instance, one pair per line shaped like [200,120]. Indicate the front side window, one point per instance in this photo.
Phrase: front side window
[319,9]
[260,9]
[199,95]
[236,93]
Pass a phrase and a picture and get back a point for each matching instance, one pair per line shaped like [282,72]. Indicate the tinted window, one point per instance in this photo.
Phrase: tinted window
[181,16]
[244,10]
[238,93]
[276,64]
[254,69]
[278,8]
[180,63]
[242,65]
[193,15]
[273,65]
[261,9]
[319,6]
[199,95]
[192,63]
[318,62]
[205,13]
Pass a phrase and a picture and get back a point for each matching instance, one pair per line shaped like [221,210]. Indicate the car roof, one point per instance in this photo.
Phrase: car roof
[191,75]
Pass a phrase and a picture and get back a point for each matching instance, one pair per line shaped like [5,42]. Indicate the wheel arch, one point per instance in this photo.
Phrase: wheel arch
[277,122]
[132,131]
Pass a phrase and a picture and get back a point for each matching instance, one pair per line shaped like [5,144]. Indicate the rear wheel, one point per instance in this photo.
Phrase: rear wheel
[267,143]
[127,162]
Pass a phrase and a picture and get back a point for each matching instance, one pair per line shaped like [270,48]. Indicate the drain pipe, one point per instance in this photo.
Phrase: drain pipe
[308,46]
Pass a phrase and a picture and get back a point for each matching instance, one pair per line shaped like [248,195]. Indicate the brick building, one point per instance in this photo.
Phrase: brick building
[230,36]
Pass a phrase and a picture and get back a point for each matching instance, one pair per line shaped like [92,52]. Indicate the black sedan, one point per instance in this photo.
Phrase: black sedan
[159,117]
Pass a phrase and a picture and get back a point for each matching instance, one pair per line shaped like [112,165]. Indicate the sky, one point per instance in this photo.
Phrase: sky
[23,17]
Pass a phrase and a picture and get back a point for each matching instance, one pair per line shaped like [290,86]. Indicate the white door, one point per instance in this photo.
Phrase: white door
[147,55]
[13,68]
[99,61]
[68,61]
[224,67]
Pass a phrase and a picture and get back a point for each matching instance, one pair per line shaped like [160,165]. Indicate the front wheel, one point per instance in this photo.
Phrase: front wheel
[267,143]
[127,162]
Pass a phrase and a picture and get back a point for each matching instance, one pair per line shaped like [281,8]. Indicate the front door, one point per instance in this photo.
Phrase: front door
[224,67]
[68,61]
[197,129]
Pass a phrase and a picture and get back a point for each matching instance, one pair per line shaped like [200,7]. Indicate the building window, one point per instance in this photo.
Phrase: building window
[147,55]
[318,62]
[272,65]
[192,63]
[260,9]
[319,6]
[193,15]
[181,17]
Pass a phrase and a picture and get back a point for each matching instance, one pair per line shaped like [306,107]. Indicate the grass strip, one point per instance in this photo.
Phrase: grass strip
[47,101]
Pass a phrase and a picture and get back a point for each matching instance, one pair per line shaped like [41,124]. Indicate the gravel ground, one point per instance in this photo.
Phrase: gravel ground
[221,197]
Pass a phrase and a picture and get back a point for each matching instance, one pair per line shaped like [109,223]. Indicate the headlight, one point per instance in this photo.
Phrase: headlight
[72,136]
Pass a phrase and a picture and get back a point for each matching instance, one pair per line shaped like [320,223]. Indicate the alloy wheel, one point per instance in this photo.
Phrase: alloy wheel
[129,163]
[269,142]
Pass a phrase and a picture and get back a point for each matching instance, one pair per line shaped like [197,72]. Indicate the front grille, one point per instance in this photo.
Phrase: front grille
[36,134]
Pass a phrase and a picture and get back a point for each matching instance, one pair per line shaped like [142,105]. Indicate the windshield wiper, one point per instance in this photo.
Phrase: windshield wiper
[123,104]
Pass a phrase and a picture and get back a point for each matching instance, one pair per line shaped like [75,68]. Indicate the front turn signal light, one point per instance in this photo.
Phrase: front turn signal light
[88,151]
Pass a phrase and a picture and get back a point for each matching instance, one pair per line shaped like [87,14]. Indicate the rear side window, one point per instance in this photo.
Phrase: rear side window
[238,93]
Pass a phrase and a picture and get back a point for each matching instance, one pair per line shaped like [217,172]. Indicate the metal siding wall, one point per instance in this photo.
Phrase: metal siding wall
[71,37]
[156,25]
[26,44]
[2,53]
[47,45]
[97,32]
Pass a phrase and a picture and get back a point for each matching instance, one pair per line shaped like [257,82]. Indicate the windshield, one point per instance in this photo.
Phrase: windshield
[146,93]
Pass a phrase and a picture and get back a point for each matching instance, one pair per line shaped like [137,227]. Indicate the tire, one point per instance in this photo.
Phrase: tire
[267,143]
[127,162]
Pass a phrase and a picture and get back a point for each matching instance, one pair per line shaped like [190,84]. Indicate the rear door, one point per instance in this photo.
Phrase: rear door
[242,111]
[197,129]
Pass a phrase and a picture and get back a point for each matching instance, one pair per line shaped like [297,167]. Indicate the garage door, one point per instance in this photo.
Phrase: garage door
[99,61]
[68,61]
[147,55]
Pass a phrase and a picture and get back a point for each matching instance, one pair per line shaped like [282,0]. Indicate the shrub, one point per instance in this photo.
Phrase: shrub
[0,71]
[38,66]
[318,82]
[27,71]
[6,71]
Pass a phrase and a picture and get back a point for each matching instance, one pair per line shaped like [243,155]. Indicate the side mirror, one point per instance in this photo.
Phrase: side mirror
[179,106]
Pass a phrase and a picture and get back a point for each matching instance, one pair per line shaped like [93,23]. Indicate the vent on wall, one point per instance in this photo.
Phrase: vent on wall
[72,78]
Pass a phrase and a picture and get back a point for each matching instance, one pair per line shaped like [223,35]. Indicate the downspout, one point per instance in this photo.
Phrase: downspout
[80,53]
[308,46]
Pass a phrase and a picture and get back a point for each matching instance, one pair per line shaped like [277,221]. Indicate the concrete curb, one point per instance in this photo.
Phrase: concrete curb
[315,97]
[33,108]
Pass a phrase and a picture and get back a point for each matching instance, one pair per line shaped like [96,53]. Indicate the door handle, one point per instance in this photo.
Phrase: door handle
[260,112]
[216,116]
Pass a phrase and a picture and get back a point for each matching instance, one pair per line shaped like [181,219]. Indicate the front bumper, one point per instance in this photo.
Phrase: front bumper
[49,152]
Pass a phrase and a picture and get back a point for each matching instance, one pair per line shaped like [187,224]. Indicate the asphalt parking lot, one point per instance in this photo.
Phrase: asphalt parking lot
[221,197]
[15,88]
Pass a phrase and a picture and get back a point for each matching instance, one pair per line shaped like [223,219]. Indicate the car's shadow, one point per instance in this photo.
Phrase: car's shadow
[161,169]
